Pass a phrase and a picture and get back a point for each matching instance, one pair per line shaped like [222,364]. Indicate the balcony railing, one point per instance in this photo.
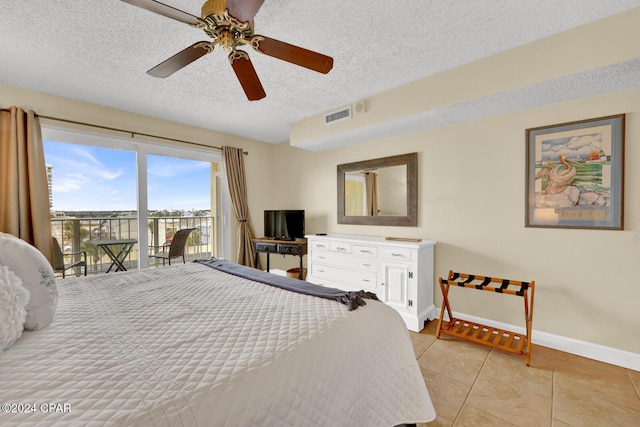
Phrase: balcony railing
[76,234]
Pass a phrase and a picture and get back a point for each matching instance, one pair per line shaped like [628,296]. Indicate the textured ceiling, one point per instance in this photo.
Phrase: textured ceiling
[98,51]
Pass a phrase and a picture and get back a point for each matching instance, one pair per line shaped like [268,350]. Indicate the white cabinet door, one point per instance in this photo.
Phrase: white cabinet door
[396,286]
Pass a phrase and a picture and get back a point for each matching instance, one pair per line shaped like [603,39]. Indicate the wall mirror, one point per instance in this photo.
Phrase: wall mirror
[380,191]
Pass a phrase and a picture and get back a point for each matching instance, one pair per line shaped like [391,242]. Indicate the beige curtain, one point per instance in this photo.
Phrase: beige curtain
[371,179]
[234,166]
[24,190]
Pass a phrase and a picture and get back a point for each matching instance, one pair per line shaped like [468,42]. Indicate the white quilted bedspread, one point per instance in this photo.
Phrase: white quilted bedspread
[188,345]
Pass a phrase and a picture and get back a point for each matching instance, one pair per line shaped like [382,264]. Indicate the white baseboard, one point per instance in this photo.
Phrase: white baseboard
[614,356]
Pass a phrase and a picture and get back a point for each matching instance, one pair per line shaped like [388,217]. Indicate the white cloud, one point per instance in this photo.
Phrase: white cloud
[163,168]
[67,185]
[577,143]
[83,153]
[574,147]
[108,175]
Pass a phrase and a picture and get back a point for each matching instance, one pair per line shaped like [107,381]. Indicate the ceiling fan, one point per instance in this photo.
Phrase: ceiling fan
[229,23]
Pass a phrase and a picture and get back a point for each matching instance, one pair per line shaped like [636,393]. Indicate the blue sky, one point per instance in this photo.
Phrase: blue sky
[95,178]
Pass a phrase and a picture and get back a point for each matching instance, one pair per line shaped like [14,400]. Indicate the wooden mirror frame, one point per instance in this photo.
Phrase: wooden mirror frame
[411,220]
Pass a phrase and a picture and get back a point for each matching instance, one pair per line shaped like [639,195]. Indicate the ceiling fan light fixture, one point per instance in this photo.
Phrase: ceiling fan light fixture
[215,14]
[227,41]
[213,7]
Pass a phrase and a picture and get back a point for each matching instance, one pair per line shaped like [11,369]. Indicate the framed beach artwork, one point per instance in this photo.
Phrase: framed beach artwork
[575,174]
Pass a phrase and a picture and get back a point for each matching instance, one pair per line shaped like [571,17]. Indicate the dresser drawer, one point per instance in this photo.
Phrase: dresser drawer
[396,254]
[365,251]
[319,245]
[341,247]
[348,262]
[356,279]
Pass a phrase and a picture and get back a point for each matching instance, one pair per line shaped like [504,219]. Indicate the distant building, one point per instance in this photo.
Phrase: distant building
[50,184]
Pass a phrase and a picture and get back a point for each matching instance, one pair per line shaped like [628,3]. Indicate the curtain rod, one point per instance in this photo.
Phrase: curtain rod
[132,133]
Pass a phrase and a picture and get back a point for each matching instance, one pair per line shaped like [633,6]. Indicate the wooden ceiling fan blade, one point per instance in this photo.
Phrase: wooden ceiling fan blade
[243,67]
[180,60]
[294,54]
[244,10]
[166,10]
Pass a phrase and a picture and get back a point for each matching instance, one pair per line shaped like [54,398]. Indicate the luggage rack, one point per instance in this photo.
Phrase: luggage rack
[493,337]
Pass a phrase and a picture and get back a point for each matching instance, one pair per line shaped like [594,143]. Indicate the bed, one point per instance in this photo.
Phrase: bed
[190,345]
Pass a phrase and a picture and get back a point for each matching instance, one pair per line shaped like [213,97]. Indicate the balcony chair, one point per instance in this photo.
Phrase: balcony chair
[59,264]
[176,246]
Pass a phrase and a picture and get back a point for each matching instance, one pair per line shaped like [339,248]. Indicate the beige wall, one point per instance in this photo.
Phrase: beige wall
[472,186]
[471,200]
[257,163]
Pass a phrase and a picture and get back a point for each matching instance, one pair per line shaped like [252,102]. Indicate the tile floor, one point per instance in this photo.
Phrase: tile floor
[475,385]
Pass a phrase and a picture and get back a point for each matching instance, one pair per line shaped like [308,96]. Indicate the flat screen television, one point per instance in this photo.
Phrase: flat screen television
[284,224]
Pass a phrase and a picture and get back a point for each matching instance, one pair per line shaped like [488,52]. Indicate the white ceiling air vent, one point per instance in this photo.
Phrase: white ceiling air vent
[337,116]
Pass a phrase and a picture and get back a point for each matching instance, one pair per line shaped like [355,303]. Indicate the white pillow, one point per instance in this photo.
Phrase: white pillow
[37,276]
[13,307]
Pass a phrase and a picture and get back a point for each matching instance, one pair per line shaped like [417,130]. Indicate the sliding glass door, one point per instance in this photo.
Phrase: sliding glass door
[109,188]
[182,193]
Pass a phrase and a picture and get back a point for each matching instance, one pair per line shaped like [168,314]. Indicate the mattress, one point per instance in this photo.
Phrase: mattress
[188,345]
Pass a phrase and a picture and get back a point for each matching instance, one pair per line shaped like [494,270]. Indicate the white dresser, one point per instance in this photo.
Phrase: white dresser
[399,273]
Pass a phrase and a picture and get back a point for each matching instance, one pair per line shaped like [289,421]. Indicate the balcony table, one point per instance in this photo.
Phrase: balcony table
[117,259]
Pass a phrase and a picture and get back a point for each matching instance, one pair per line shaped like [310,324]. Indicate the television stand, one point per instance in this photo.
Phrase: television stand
[270,246]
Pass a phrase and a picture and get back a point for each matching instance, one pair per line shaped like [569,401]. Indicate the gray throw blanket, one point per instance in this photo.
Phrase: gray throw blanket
[351,299]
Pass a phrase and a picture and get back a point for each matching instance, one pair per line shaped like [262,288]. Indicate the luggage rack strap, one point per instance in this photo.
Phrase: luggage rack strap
[487,283]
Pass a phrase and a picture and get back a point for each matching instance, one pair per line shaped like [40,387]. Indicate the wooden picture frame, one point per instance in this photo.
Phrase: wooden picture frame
[410,219]
[575,174]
